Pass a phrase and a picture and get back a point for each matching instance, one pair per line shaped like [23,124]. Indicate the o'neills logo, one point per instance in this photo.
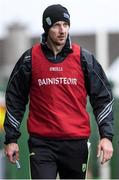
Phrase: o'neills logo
[58,80]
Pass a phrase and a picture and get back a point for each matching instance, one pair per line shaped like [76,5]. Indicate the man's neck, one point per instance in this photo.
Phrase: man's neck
[55,48]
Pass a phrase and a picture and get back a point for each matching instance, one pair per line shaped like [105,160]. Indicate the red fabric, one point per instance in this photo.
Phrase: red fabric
[58,97]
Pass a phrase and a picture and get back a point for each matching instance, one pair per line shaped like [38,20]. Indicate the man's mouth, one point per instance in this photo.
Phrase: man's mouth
[61,37]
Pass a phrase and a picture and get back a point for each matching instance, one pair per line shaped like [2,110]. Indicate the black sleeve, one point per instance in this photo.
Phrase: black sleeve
[100,94]
[17,96]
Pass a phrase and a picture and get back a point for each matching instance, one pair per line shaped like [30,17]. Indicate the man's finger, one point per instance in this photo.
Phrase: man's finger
[106,156]
[17,155]
[11,158]
[99,151]
[103,161]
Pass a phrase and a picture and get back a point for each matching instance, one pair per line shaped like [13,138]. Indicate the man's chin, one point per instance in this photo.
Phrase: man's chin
[61,43]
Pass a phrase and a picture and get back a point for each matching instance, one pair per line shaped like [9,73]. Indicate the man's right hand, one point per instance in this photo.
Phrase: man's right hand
[12,152]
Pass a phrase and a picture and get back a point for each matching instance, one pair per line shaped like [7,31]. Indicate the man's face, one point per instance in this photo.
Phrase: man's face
[58,33]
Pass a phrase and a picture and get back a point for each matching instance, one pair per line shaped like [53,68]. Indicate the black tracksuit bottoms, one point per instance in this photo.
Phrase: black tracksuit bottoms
[48,157]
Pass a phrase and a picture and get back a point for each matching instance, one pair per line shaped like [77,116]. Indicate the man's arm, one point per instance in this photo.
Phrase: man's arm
[101,99]
[17,93]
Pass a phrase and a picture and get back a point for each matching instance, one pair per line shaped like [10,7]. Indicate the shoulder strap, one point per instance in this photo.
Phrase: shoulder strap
[84,62]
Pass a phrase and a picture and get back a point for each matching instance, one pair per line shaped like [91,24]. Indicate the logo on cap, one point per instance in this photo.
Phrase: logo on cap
[48,20]
[84,166]
[66,15]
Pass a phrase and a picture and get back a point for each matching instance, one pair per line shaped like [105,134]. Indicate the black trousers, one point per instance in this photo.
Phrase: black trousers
[49,157]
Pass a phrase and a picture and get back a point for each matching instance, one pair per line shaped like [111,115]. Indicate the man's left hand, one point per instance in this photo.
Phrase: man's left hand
[105,146]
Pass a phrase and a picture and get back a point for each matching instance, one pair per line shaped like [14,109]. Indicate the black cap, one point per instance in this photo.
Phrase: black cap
[54,13]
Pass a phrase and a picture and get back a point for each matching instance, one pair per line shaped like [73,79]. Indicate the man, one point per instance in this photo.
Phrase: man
[57,76]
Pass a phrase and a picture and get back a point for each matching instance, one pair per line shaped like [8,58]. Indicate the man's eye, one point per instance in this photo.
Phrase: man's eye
[56,25]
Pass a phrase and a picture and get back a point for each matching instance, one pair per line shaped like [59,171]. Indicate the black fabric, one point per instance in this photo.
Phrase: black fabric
[54,13]
[48,157]
[17,91]
[99,90]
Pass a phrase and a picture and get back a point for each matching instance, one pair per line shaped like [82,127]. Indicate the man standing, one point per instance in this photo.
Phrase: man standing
[57,76]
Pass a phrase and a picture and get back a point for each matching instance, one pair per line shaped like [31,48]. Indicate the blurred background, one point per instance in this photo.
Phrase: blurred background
[95,26]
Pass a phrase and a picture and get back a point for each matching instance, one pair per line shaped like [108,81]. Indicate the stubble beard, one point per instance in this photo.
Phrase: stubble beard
[60,42]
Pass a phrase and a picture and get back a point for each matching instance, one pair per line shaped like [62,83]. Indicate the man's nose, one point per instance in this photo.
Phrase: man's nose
[62,29]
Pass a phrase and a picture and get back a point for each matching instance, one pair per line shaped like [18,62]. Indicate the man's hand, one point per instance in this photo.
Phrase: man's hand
[105,147]
[12,152]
